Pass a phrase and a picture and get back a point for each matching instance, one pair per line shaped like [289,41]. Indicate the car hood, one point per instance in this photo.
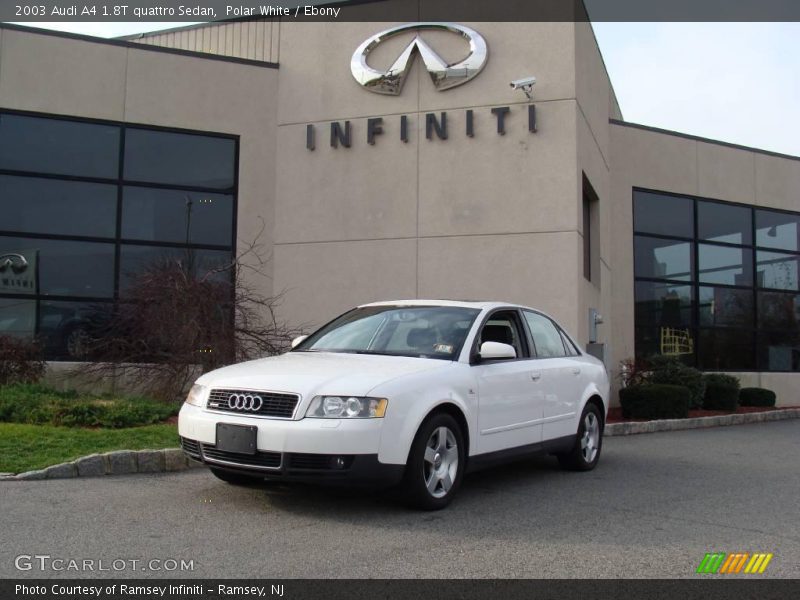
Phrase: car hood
[314,373]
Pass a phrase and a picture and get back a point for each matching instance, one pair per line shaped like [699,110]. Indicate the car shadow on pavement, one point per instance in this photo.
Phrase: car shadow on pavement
[351,502]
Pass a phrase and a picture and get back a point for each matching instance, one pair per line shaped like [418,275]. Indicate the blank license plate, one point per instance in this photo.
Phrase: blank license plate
[240,439]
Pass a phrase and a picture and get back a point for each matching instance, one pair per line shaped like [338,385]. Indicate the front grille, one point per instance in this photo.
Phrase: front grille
[273,404]
[319,462]
[190,447]
[262,460]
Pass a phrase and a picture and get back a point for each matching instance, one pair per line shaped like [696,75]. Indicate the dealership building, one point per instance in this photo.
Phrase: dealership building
[377,161]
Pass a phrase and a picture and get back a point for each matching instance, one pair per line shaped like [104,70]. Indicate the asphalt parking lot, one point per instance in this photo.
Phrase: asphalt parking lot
[653,507]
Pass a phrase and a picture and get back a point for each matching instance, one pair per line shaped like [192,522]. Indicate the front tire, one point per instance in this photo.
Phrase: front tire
[435,464]
[235,478]
[588,442]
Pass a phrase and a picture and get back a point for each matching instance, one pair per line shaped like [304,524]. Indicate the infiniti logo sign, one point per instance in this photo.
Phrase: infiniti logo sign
[444,75]
[245,402]
[16,262]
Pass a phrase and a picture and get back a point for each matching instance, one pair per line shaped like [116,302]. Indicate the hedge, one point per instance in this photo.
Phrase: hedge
[655,401]
[722,392]
[755,396]
[669,370]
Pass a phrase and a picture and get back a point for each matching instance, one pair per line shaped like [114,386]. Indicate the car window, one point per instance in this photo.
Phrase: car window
[422,331]
[502,327]
[571,349]
[546,336]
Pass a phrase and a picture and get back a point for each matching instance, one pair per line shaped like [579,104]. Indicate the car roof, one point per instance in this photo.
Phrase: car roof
[460,303]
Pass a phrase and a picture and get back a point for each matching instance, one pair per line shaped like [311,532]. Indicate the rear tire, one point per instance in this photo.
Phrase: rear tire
[436,463]
[235,478]
[588,442]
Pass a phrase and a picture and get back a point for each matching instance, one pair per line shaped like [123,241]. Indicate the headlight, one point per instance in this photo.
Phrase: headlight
[197,395]
[347,407]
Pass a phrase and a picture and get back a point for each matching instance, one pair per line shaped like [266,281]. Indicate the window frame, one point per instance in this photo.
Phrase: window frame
[120,182]
[525,340]
[695,284]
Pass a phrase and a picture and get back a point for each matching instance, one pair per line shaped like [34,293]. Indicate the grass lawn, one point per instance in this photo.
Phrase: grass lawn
[29,447]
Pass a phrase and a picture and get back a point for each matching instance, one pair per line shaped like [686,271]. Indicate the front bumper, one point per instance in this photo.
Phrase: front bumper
[359,469]
[319,450]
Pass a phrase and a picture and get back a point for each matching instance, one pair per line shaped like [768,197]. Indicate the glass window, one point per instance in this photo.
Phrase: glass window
[678,342]
[663,214]
[568,345]
[778,230]
[202,263]
[740,326]
[779,311]
[61,267]
[18,317]
[420,331]
[58,146]
[725,307]
[546,337]
[779,351]
[725,265]
[152,214]
[663,304]
[726,349]
[35,205]
[724,223]
[67,329]
[179,158]
[663,259]
[777,271]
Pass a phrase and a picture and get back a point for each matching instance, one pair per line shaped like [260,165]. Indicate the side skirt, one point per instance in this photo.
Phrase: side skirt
[478,462]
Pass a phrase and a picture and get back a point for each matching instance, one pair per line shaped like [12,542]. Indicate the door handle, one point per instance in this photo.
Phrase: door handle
[576,370]
[536,375]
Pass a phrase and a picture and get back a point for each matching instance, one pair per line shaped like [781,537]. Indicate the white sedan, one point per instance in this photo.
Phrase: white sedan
[412,392]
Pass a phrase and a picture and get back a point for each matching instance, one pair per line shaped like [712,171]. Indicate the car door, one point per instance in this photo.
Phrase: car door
[561,375]
[509,396]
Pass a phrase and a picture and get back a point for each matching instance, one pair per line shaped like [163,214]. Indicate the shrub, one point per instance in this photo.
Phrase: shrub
[670,370]
[40,405]
[754,396]
[655,401]
[20,361]
[722,392]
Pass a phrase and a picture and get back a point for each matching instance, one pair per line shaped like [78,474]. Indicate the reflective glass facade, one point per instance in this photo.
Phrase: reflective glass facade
[716,283]
[86,204]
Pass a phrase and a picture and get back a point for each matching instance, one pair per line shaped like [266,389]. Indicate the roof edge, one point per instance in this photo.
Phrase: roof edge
[136,46]
[698,138]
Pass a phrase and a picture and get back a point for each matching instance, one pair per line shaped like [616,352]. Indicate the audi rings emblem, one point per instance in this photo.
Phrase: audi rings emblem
[245,402]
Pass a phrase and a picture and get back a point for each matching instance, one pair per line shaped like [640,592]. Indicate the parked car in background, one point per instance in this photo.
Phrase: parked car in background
[413,392]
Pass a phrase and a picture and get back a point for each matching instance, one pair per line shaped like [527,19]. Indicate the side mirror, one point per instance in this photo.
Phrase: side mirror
[496,350]
[298,340]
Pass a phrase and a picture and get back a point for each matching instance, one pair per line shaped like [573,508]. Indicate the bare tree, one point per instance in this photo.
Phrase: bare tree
[176,320]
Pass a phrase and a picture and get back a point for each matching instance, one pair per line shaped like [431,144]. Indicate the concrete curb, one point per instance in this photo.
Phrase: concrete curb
[631,428]
[119,462]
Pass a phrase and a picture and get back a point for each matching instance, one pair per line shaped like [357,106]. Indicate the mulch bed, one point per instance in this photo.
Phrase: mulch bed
[615,414]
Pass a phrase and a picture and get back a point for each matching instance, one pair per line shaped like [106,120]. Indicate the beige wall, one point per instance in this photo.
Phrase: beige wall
[675,163]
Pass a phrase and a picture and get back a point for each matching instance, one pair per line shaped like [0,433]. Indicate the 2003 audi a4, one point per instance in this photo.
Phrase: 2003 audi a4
[413,392]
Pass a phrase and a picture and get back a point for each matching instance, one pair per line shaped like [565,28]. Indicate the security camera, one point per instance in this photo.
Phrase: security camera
[525,84]
[522,83]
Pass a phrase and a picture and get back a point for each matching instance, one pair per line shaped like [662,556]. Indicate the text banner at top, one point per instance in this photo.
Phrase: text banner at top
[399,10]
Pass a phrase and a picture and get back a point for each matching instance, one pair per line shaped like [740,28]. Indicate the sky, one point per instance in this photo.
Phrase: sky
[734,82]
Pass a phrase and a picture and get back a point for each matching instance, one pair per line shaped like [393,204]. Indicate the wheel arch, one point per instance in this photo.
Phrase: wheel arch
[596,399]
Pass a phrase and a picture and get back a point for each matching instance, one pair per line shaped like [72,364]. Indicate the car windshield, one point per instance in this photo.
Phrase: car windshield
[419,331]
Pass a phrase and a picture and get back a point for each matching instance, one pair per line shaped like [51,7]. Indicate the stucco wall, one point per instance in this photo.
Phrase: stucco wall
[488,217]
